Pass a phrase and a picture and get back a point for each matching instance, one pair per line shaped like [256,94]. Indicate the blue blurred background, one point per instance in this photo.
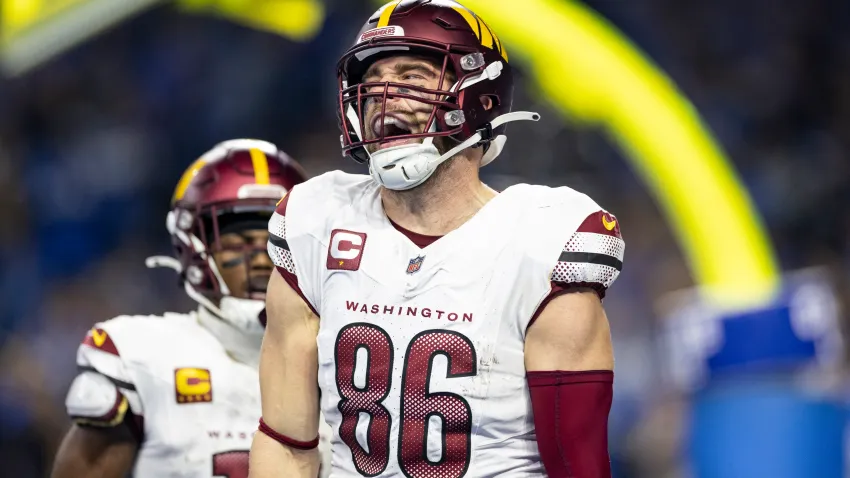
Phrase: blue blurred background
[93,140]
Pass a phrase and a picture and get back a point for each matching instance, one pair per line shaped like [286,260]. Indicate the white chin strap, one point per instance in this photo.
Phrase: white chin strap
[409,165]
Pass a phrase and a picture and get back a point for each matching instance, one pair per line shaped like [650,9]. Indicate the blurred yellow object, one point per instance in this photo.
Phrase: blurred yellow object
[19,15]
[595,75]
[33,31]
[295,19]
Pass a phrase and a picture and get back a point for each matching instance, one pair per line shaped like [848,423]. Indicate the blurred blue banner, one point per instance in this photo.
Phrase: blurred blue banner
[763,403]
[798,328]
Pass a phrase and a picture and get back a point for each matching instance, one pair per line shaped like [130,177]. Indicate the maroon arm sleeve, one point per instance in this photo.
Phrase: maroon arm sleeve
[571,421]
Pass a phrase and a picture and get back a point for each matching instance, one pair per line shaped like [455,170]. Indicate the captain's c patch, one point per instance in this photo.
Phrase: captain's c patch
[192,385]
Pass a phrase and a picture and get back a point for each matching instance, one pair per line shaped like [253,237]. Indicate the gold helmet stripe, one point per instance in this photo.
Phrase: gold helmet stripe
[486,35]
[261,166]
[498,43]
[467,15]
[384,20]
[187,177]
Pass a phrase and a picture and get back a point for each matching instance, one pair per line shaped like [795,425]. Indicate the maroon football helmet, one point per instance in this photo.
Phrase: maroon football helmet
[455,38]
[235,185]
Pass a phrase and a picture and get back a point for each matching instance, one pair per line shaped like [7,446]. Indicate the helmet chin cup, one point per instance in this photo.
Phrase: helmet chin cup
[409,165]
[405,166]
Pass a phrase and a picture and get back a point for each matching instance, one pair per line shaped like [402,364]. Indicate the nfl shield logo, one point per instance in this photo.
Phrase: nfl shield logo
[415,264]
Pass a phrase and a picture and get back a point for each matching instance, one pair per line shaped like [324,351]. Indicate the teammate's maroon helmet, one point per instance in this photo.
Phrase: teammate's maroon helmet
[237,183]
[455,38]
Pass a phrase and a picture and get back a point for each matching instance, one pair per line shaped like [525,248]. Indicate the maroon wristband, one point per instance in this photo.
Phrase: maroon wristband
[285,440]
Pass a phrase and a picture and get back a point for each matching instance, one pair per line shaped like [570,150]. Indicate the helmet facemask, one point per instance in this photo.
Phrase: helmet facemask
[446,103]
[226,249]
[238,246]
[468,113]
[197,240]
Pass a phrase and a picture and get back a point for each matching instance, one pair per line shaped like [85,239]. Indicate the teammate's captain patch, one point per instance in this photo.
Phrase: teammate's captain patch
[99,339]
[345,250]
[415,264]
[192,385]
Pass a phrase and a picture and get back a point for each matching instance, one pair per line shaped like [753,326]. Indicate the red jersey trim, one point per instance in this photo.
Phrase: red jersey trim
[601,222]
[281,205]
[421,240]
[97,338]
[292,280]
[560,288]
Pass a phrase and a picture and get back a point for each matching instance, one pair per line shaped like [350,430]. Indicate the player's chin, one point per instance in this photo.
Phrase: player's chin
[257,284]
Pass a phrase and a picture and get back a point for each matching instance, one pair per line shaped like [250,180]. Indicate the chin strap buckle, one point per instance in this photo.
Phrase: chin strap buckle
[486,134]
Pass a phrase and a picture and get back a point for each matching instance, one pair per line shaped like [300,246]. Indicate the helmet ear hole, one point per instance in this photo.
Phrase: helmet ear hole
[489,101]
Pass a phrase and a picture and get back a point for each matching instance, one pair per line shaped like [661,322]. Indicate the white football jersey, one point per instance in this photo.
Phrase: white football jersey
[197,407]
[421,361]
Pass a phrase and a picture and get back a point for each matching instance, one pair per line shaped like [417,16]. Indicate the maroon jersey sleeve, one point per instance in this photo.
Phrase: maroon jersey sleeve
[592,255]
[592,258]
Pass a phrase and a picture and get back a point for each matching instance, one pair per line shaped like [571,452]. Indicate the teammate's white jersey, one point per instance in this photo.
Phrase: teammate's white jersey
[196,406]
[199,407]
[421,350]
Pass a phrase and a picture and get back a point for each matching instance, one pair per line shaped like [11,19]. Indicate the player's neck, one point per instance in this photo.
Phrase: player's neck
[443,203]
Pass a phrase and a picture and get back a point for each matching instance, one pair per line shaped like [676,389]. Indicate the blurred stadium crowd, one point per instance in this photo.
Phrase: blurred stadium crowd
[92,144]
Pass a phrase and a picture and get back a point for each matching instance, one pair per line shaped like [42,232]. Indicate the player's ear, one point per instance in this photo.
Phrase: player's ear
[487,101]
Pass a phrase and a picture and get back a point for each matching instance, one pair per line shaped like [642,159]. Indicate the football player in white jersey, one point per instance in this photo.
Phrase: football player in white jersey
[455,331]
[178,395]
